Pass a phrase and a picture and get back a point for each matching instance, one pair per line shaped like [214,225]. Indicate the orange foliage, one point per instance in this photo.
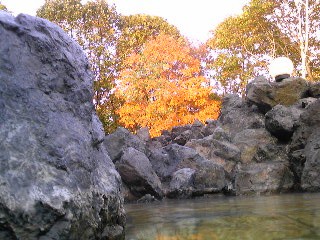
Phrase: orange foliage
[162,87]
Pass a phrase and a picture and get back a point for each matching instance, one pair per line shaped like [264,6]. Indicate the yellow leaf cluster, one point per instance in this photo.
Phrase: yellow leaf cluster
[162,87]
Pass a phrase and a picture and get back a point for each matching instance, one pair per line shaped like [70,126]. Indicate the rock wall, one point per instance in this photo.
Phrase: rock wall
[56,178]
[266,143]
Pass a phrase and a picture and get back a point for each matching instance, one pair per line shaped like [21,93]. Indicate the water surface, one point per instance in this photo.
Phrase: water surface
[287,216]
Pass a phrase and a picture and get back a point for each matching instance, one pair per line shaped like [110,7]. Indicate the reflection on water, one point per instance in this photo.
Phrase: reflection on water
[289,216]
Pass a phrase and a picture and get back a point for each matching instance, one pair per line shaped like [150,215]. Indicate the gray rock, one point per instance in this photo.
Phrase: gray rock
[210,127]
[303,148]
[117,142]
[267,94]
[144,134]
[236,116]
[222,152]
[310,179]
[137,173]
[56,179]
[281,121]
[314,90]
[167,160]
[147,199]
[181,185]
[255,143]
[184,137]
[194,131]
[209,178]
[263,178]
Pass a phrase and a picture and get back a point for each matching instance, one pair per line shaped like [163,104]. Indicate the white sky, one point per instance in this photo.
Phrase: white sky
[194,18]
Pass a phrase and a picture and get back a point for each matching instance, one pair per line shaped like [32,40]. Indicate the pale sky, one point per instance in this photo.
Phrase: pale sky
[194,18]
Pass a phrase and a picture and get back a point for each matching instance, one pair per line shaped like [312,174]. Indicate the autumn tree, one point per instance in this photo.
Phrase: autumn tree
[162,87]
[107,38]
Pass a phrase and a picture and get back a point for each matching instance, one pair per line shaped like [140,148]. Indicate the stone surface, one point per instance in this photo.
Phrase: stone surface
[252,141]
[144,134]
[257,178]
[267,94]
[314,90]
[281,121]
[165,161]
[181,184]
[304,155]
[221,152]
[137,173]
[194,131]
[210,148]
[237,115]
[310,179]
[209,178]
[117,142]
[56,179]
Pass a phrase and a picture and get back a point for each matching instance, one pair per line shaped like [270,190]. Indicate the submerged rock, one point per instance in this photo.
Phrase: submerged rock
[56,178]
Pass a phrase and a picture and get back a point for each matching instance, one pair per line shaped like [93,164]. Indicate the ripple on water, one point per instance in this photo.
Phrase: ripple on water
[287,216]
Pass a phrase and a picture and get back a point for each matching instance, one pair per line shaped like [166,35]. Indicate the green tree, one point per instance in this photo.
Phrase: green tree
[138,29]
[299,20]
[242,46]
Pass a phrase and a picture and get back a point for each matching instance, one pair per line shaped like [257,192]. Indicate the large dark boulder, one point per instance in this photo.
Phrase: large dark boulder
[181,184]
[237,115]
[208,176]
[218,149]
[117,142]
[210,148]
[304,153]
[165,161]
[314,90]
[56,178]
[197,179]
[183,134]
[258,178]
[258,145]
[310,179]
[281,121]
[267,94]
[137,173]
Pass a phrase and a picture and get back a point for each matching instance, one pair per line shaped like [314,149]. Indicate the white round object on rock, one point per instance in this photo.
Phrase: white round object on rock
[280,66]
